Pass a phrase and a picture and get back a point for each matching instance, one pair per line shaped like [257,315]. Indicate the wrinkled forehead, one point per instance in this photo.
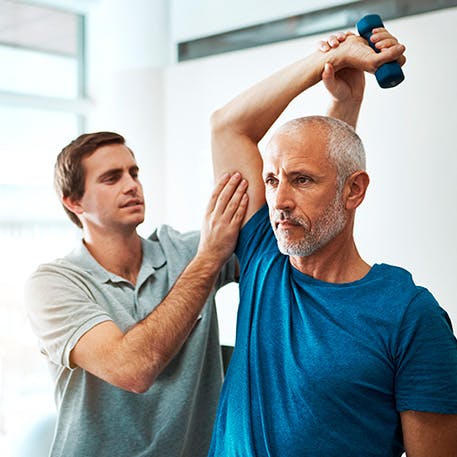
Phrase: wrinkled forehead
[296,145]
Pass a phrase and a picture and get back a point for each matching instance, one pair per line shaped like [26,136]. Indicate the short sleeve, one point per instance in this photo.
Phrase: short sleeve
[61,309]
[182,247]
[426,374]
[255,236]
[176,245]
[228,273]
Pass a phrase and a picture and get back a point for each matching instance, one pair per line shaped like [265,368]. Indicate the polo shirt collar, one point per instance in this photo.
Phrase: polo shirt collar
[153,259]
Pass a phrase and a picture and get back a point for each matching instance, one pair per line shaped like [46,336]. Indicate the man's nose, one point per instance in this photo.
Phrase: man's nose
[131,184]
[283,197]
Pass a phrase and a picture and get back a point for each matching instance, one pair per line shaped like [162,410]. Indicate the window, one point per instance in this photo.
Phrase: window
[42,107]
[34,72]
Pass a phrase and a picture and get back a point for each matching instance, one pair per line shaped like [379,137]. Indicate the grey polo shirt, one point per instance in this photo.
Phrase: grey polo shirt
[174,417]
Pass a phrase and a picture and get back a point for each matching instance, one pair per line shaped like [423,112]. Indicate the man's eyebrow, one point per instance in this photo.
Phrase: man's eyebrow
[292,174]
[109,173]
[116,171]
[296,173]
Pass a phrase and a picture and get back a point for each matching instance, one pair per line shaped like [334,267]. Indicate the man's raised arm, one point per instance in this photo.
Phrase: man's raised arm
[238,127]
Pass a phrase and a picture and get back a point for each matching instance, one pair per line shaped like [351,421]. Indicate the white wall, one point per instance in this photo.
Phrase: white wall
[129,47]
[409,217]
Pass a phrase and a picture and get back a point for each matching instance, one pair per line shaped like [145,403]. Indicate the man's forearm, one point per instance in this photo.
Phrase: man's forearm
[151,344]
[347,111]
[147,348]
[254,111]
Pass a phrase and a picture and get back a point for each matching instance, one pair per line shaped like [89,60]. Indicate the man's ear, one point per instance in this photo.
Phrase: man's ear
[73,205]
[355,188]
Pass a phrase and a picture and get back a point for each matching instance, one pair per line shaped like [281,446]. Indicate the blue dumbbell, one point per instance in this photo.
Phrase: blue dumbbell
[389,74]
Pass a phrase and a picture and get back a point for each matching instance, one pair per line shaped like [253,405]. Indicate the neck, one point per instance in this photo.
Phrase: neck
[337,262]
[119,253]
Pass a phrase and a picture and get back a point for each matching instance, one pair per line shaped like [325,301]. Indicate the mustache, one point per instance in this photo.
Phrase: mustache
[285,216]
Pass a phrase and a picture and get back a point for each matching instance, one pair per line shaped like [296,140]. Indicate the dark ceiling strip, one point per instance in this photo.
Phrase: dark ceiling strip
[335,18]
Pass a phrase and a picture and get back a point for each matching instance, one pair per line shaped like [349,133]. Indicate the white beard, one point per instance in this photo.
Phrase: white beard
[329,225]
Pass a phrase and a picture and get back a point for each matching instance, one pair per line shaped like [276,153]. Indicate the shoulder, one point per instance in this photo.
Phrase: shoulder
[393,275]
[259,219]
[76,274]
[59,268]
[402,281]
[174,242]
[415,307]
[77,264]
[59,278]
[395,282]
[256,236]
[394,293]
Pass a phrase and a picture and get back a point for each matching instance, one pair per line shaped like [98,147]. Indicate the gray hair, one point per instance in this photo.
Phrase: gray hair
[344,146]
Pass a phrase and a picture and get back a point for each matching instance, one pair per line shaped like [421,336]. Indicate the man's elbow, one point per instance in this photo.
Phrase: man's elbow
[137,379]
[136,383]
[218,121]
[136,387]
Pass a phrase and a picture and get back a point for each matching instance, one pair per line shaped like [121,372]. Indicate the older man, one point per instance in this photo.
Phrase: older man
[334,357]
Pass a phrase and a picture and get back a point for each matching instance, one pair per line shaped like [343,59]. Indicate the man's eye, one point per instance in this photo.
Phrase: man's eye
[110,179]
[303,180]
[270,181]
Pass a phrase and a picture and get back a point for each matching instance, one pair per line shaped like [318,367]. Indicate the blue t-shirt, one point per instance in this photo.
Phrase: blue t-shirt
[322,369]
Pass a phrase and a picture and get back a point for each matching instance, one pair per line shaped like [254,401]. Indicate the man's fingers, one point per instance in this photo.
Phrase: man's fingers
[220,184]
[397,53]
[231,192]
[323,46]
[237,202]
[328,74]
[394,53]
[333,41]
[383,41]
[401,60]
[230,200]
[241,209]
